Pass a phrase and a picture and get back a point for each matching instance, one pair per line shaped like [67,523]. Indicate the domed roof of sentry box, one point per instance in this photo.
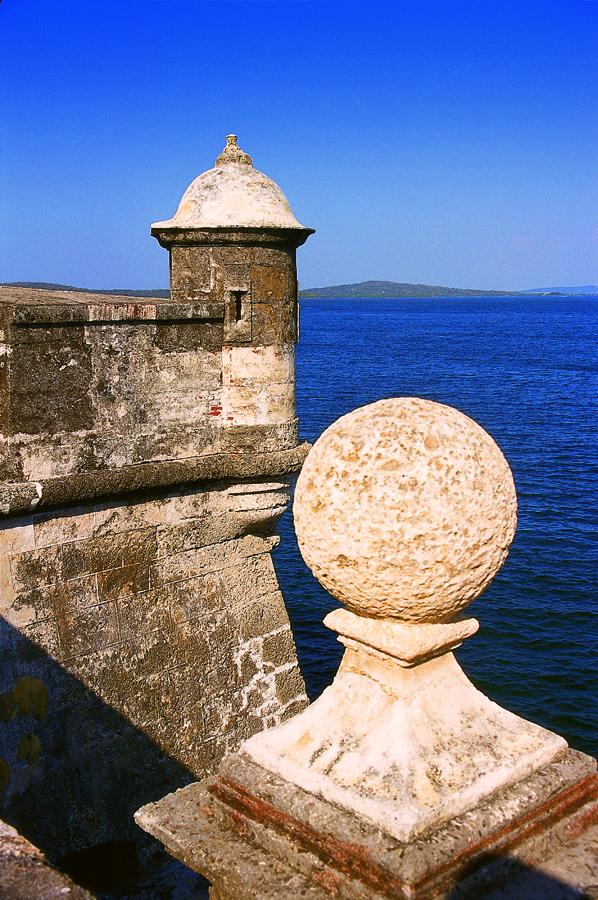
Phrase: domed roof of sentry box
[232,194]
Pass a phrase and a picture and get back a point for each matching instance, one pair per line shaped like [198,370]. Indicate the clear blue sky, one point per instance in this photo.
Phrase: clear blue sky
[444,142]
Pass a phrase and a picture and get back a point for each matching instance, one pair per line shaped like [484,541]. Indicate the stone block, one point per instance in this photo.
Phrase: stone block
[88,629]
[144,612]
[274,322]
[119,583]
[278,648]
[155,650]
[187,685]
[16,536]
[45,635]
[196,597]
[220,715]
[17,610]
[62,596]
[35,568]
[231,255]
[263,365]
[290,687]
[269,437]
[169,509]
[241,583]
[190,649]
[53,455]
[50,384]
[258,403]
[261,616]
[268,283]
[189,336]
[51,528]
[201,532]
[11,467]
[212,558]
[190,269]
[176,442]
[279,257]
[99,554]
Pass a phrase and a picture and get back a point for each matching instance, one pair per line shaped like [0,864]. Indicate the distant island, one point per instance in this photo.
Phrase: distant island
[362,290]
[378,290]
[571,291]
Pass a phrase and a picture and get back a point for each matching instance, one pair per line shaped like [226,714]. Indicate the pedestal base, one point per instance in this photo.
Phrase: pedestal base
[405,749]
[254,835]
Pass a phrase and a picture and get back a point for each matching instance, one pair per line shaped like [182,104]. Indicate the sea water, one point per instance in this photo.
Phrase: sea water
[526,370]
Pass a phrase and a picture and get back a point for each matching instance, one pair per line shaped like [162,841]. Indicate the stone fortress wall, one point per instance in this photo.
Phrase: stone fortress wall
[144,447]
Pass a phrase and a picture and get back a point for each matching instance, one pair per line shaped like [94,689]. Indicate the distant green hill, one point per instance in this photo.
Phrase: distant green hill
[50,286]
[378,290]
[362,290]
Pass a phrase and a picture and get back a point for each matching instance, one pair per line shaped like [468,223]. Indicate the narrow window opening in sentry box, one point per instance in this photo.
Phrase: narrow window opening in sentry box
[237,297]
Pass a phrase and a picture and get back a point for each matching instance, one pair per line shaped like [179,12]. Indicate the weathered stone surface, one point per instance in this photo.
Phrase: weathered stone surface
[189,336]
[403,748]
[155,623]
[50,383]
[241,438]
[142,443]
[25,873]
[407,644]
[19,498]
[255,835]
[405,508]
[191,270]
[94,383]
[274,322]
[233,194]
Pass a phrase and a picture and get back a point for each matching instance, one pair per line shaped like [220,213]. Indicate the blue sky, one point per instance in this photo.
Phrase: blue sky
[442,142]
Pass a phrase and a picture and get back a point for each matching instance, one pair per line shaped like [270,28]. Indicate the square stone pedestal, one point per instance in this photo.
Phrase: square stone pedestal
[254,835]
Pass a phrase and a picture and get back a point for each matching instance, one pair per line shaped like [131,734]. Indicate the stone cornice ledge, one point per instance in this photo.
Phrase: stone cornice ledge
[21,498]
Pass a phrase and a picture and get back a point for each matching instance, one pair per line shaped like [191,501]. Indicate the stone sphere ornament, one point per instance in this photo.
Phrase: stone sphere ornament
[405,509]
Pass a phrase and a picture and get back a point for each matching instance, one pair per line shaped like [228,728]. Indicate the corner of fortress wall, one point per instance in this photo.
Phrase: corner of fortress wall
[144,447]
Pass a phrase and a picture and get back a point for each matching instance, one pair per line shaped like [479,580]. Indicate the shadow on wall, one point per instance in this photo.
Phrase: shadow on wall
[73,770]
[504,878]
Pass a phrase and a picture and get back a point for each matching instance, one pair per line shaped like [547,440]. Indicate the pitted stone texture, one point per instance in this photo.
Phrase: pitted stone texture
[255,835]
[405,509]
[406,749]
[26,873]
[100,386]
[141,640]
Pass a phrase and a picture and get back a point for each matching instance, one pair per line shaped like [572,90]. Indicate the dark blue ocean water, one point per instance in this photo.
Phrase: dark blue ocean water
[526,370]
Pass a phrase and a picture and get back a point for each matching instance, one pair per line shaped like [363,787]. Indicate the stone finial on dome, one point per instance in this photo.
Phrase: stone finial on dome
[232,194]
[232,153]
